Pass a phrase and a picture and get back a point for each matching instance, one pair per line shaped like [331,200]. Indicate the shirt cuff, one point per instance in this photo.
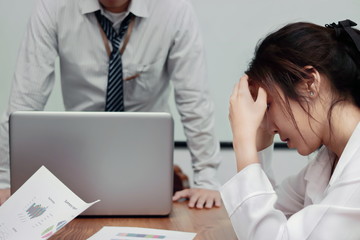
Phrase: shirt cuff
[266,157]
[4,152]
[4,178]
[249,182]
[206,178]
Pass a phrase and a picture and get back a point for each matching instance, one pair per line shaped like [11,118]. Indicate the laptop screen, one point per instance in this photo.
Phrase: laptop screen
[124,159]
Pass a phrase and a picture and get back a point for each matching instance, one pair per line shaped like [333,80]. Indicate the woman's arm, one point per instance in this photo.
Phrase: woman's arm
[246,116]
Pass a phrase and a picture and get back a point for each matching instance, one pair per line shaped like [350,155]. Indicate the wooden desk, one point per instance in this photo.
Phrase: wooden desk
[209,224]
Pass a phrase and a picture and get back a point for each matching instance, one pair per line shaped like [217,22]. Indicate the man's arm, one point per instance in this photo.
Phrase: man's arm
[186,66]
[33,79]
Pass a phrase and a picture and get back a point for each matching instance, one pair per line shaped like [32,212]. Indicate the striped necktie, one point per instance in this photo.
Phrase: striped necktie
[114,92]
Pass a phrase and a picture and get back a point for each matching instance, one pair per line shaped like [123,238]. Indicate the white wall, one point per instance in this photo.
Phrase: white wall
[230,28]
[285,163]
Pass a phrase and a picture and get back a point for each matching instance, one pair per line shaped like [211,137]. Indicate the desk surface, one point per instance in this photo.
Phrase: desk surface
[209,224]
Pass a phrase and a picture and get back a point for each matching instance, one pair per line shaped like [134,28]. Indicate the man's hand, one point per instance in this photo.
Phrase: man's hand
[199,197]
[4,195]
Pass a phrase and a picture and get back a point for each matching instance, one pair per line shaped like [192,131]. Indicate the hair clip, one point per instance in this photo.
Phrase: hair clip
[335,27]
[347,26]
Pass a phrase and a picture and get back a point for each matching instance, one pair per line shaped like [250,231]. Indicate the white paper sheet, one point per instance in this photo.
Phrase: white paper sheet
[132,233]
[41,207]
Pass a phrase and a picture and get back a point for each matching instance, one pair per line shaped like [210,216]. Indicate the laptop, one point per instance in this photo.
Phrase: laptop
[125,159]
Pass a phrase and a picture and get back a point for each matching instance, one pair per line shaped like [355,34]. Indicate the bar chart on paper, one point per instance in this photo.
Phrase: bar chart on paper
[38,209]
[35,214]
[35,210]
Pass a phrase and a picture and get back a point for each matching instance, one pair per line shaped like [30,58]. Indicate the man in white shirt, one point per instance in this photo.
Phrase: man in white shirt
[163,44]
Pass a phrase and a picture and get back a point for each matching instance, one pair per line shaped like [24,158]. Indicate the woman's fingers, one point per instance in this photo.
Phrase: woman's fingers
[235,90]
[261,98]
[246,112]
[244,85]
[244,81]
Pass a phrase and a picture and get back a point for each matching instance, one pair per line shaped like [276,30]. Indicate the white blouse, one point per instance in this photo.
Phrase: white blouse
[309,205]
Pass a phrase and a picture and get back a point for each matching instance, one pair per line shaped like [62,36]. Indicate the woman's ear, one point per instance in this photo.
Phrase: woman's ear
[310,86]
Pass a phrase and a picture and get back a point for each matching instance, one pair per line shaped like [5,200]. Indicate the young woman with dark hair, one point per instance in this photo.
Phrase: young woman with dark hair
[303,84]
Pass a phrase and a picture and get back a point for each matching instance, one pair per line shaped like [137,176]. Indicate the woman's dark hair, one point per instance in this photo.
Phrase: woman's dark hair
[281,57]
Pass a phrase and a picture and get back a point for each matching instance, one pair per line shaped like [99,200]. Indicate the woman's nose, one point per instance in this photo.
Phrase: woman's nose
[270,125]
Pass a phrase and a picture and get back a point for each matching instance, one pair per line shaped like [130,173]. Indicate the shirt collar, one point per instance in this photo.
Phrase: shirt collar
[350,149]
[89,6]
[318,174]
[139,8]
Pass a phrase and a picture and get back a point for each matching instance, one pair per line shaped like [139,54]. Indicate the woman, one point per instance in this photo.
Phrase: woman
[303,84]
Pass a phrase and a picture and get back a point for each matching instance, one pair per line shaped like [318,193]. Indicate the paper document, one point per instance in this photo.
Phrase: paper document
[132,233]
[38,209]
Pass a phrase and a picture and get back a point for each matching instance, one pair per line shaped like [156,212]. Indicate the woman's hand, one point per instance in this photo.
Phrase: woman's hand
[246,115]
[263,137]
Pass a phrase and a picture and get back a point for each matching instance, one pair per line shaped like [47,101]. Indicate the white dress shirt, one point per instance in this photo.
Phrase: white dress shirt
[164,46]
[310,205]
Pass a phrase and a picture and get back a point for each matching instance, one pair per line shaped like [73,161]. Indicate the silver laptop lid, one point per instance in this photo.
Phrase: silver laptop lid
[124,159]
